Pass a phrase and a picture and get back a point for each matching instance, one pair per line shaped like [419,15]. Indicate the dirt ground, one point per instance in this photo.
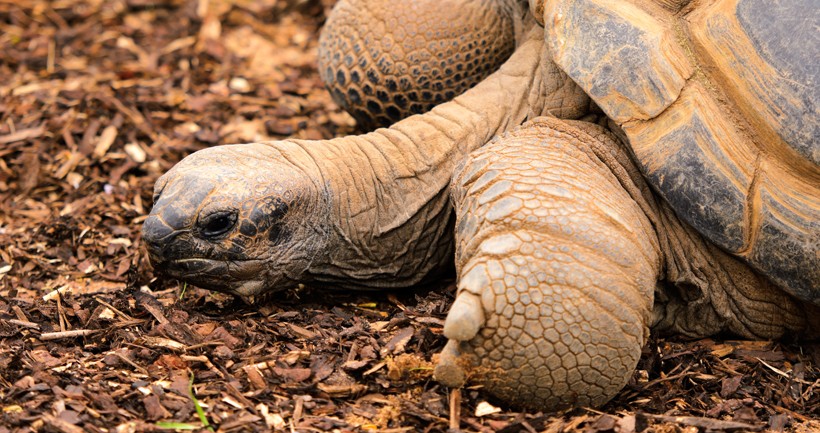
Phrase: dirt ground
[97,99]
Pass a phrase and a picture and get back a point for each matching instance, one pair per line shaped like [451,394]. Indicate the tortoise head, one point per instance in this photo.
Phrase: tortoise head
[236,219]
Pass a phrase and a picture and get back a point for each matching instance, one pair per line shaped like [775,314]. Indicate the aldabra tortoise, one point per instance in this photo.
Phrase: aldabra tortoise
[694,208]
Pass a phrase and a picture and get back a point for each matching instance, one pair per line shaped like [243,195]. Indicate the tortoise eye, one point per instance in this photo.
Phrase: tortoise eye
[217,223]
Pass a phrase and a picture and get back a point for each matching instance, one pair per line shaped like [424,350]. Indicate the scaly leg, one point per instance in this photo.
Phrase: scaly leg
[557,264]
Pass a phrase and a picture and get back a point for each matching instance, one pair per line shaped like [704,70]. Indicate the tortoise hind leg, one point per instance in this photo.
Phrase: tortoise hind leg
[557,266]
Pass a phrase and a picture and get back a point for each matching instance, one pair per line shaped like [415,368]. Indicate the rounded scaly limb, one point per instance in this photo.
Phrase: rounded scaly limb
[383,62]
[557,264]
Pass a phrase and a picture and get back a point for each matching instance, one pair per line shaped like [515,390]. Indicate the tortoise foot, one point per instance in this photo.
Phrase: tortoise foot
[555,278]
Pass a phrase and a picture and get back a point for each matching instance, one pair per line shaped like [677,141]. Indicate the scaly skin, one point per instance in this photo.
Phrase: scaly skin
[363,212]
[383,63]
[560,259]
[559,248]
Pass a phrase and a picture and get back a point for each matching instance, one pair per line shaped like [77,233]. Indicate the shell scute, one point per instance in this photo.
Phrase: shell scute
[624,58]
[765,55]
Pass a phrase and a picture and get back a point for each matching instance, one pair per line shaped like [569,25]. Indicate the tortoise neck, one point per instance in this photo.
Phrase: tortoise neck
[390,187]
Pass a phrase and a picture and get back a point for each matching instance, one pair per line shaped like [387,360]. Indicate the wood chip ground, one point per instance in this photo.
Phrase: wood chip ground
[97,99]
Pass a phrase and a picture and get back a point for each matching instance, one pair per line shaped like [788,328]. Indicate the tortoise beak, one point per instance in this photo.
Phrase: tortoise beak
[170,254]
[165,241]
[170,217]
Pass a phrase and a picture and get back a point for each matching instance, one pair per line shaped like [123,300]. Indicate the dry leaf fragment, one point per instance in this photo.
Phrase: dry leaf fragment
[162,343]
[255,377]
[294,356]
[355,365]
[484,409]
[154,408]
[722,350]
[87,266]
[179,44]
[241,85]
[302,332]
[273,420]
[293,374]
[30,173]
[342,390]
[626,424]
[107,314]
[44,358]
[399,341]
[211,29]
[74,179]
[70,164]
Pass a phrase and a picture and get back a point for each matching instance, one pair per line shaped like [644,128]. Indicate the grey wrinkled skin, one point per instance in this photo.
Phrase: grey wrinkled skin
[363,212]
[259,218]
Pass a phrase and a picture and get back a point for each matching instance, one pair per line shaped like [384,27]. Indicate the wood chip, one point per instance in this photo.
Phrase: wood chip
[107,137]
[23,134]
[135,151]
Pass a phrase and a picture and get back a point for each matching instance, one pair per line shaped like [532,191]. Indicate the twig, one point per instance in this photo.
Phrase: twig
[203,359]
[682,374]
[21,316]
[111,307]
[707,423]
[131,363]
[455,409]
[47,336]
[783,373]
[23,134]
[60,315]
[297,410]
[30,325]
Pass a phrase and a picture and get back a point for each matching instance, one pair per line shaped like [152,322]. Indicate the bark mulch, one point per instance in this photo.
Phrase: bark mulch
[97,99]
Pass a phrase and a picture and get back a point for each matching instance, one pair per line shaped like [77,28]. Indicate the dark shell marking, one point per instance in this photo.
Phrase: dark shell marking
[721,116]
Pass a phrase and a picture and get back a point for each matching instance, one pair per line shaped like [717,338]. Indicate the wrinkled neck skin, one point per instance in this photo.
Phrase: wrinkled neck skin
[390,221]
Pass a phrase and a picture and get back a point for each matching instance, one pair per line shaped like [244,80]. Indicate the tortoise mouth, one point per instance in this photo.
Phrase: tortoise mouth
[229,276]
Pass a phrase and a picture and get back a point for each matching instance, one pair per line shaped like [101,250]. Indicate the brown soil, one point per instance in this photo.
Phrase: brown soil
[97,99]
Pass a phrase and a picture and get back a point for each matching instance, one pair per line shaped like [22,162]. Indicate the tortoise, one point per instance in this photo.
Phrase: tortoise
[630,166]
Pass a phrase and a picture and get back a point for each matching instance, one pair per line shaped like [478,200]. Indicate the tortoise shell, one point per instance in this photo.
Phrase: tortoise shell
[718,101]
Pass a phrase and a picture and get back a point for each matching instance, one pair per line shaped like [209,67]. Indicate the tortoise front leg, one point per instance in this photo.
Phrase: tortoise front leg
[557,266]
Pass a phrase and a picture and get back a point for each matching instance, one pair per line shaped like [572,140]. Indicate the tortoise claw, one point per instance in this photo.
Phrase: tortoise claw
[453,366]
[465,319]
